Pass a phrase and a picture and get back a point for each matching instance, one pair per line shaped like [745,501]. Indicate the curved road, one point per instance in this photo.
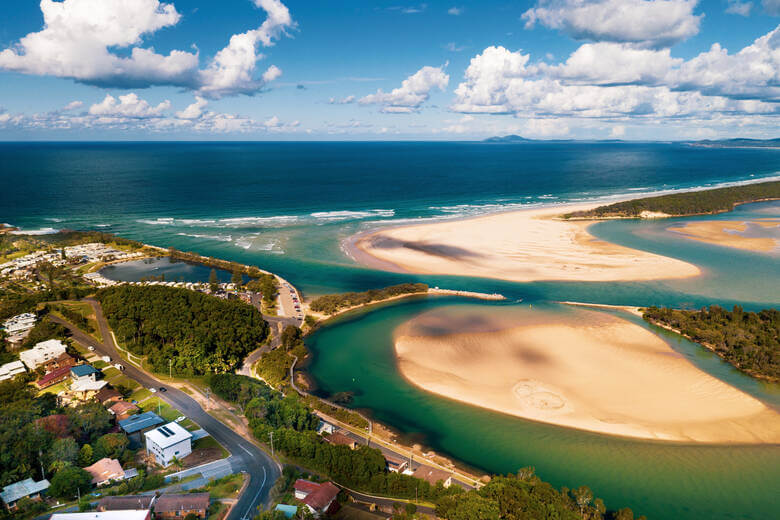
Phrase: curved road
[263,471]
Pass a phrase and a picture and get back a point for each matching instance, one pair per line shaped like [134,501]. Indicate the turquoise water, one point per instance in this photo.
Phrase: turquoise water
[287,207]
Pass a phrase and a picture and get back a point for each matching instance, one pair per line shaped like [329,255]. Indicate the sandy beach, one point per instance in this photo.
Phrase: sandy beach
[733,233]
[521,246]
[598,373]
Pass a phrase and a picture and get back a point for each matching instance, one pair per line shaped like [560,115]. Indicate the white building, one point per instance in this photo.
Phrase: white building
[168,441]
[10,370]
[19,323]
[42,352]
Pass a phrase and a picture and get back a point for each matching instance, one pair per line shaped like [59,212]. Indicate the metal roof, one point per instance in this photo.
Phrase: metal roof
[140,422]
[23,488]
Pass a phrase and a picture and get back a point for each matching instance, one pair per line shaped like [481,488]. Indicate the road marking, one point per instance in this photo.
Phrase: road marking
[246,450]
[246,516]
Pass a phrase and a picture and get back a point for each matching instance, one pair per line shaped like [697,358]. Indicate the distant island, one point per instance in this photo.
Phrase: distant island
[737,143]
[704,202]
[508,139]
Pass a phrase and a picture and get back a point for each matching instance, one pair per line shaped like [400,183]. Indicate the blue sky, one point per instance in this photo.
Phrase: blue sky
[298,70]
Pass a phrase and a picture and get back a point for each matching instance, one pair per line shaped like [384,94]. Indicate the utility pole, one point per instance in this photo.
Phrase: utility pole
[272,443]
[170,369]
[40,459]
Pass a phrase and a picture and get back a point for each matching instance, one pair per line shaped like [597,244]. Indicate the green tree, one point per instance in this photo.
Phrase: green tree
[69,481]
[111,445]
[64,451]
[213,280]
[85,456]
[291,336]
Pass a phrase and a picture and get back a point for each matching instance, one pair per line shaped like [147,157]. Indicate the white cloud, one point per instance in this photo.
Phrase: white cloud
[343,101]
[412,93]
[545,128]
[80,38]
[740,8]
[455,11]
[232,71]
[617,132]
[273,72]
[193,111]
[73,105]
[650,23]
[772,7]
[453,47]
[608,80]
[129,105]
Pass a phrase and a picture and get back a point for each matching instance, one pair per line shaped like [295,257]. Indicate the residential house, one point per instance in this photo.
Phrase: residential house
[137,425]
[28,488]
[318,498]
[122,514]
[42,352]
[85,383]
[105,470]
[11,370]
[433,475]
[325,427]
[108,396]
[167,442]
[53,377]
[338,438]
[63,360]
[395,464]
[122,410]
[179,506]
[84,373]
[20,323]
[124,503]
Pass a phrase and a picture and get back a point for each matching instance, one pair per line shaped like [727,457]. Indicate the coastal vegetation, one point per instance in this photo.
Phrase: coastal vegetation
[274,366]
[332,303]
[293,426]
[217,263]
[748,340]
[702,202]
[189,332]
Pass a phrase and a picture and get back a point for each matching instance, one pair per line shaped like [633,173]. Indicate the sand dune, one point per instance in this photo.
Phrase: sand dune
[601,374]
[731,233]
[520,246]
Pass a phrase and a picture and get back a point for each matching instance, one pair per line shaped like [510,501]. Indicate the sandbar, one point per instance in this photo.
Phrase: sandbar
[520,246]
[732,233]
[598,372]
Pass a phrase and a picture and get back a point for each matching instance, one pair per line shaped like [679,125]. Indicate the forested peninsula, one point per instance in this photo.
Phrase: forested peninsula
[705,202]
[748,340]
[198,332]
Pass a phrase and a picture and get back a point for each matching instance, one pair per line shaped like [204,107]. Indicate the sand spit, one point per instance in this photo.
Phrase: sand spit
[521,246]
[732,233]
[601,374]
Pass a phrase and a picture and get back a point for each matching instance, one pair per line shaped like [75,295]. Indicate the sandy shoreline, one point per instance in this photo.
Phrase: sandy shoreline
[599,373]
[730,233]
[521,246]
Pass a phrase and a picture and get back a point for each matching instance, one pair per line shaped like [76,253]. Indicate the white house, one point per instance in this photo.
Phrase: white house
[19,323]
[9,370]
[42,352]
[168,441]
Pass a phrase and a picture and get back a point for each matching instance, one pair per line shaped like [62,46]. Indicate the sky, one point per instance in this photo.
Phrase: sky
[388,70]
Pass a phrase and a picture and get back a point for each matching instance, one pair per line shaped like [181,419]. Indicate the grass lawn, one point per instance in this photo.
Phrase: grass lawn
[140,394]
[209,442]
[111,373]
[216,511]
[226,487]
[350,512]
[189,425]
[100,364]
[55,389]
[164,410]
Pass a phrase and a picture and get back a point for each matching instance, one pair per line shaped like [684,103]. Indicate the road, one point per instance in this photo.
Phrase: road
[263,471]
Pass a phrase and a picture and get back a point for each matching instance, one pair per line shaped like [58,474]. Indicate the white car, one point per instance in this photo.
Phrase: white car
[91,349]
[153,390]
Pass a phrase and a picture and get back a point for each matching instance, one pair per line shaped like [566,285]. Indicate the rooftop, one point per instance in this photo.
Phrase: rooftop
[125,503]
[24,488]
[322,496]
[121,407]
[126,514]
[105,469]
[54,375]
[84,370]
[140,422]
[171,503]
[168,435]
[430,474]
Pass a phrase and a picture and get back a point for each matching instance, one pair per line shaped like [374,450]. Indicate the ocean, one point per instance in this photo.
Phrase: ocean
[288,207]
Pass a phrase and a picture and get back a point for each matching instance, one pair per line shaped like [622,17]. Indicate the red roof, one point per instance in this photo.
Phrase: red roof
[53,377]
[306,486]
[322,497]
